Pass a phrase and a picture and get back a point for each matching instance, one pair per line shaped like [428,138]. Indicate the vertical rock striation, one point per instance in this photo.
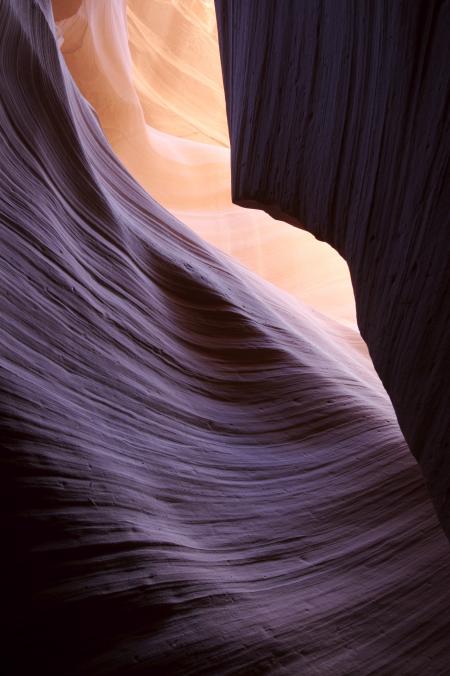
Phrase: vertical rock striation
[339,123]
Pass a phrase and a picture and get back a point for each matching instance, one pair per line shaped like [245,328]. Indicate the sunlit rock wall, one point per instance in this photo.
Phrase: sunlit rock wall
[152,72]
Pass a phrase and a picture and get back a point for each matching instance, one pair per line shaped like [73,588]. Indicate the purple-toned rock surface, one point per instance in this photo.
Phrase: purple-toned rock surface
[198,476]
[339,123]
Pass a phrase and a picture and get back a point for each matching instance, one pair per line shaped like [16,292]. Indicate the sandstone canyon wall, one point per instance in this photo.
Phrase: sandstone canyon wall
[151,70]
[200,474]
[339,123]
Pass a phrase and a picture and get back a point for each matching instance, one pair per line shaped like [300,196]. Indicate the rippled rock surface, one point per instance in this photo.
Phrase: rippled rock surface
[198,475]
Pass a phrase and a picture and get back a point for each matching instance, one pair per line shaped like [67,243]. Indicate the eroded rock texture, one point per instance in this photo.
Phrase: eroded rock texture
[198,476]
[339,123]
[151,70]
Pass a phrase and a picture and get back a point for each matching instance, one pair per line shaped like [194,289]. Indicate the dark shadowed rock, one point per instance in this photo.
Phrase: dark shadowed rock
[339,123]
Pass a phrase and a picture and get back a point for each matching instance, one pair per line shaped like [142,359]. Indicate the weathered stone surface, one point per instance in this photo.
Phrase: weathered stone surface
[197,476]
[339,123]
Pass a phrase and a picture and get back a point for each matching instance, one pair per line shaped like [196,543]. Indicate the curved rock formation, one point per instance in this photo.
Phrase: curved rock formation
[339,123]
[199,475]
[134,64]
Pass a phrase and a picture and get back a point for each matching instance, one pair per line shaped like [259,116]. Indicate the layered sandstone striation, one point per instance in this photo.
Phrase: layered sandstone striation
[339,123]
[151,70]
[200,475]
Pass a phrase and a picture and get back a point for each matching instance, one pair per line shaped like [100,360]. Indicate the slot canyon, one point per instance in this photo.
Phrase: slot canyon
[225,341]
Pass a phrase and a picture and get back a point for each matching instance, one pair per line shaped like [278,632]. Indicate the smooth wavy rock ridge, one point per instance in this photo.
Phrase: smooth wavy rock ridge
[339,117]
[199,475]
[151,69]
